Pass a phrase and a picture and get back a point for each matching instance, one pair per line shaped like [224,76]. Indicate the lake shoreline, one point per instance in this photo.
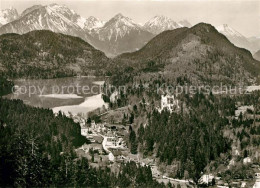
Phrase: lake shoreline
[60,92]
[90,104]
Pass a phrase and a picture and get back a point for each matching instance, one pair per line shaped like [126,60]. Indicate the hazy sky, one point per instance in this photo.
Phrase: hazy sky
[244,16]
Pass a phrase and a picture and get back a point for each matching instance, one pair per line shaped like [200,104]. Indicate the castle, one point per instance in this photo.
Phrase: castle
[169,102]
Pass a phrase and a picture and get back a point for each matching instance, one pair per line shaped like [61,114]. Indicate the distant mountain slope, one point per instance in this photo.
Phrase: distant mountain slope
[157,45]
[120,34]
[56,18]
[162,23]
[257,55]
[235,37]
[185,23]
[255,43]
[30,9]
[8,15]
[46,54]
[200,54]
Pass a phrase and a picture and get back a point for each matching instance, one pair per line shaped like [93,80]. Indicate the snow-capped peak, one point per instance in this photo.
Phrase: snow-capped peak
[92,19]
[57,18]
[8,15]
[160,23]
[119,16]
[67,15]
[159,20]
[63,17]
[120,20]
[93,23]
[118,27]
[60,9]
[30,9]
[81,22]
[162,18]
[228,31]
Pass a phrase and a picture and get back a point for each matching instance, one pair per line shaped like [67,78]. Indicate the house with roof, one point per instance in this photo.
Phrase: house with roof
[247,160]
[84,130]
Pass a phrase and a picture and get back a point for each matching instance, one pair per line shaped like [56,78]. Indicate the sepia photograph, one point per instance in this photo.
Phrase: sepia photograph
[130,93]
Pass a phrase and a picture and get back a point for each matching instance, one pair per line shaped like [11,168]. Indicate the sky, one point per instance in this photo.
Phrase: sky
[244,16]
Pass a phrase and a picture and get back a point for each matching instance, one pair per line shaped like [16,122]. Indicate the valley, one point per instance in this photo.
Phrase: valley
[116,103]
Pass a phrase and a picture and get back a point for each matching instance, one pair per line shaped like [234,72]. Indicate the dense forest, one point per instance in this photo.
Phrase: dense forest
[199,136]
[190,140]
[37,149]
[5,86]
[31,137]
[45,54]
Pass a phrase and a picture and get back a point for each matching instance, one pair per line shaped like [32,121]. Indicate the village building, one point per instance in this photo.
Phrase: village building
[111,157]
[257,184]
[243,184]
[114,142]
[94,147]
[84,130]
[206,179]
[231,163]
[236,149]
[93,124]
[111,141]
[247,160]
[257,175]
[92,129]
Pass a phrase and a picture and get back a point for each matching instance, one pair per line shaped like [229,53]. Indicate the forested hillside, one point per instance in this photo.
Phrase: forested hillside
[201,136]
[5,86]
[45,54]
[37,150]
[199,54]
[189,140]
[28,133]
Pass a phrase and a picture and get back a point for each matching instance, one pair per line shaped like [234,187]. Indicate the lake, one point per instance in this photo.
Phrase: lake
[71,94]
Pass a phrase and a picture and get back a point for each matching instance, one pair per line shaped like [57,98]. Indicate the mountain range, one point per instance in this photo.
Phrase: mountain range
[53,17]
[118,35]
[199,54]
